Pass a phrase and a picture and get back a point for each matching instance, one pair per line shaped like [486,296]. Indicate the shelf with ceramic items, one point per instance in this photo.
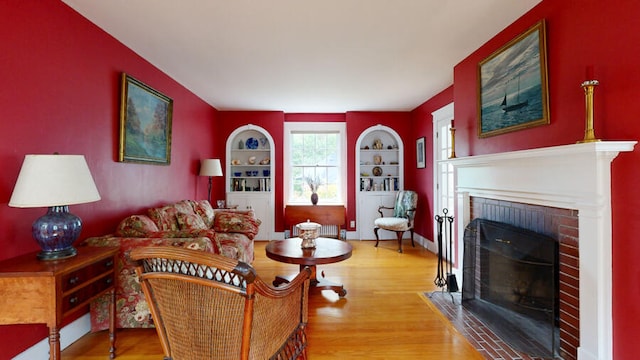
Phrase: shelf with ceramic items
[250,163]
[379,164]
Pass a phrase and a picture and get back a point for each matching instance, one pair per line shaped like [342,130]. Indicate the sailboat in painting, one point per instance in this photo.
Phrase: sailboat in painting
[517,105]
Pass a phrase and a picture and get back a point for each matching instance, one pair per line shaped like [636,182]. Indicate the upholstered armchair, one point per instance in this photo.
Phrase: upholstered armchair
[207,306]
[401,220]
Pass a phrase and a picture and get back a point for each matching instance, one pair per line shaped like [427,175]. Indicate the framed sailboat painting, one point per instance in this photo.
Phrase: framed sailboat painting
[512,86]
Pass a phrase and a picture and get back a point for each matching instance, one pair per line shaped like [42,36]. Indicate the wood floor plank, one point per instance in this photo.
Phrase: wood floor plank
[383,315]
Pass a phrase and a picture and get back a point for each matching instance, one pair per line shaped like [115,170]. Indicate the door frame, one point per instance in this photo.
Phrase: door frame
[441,117]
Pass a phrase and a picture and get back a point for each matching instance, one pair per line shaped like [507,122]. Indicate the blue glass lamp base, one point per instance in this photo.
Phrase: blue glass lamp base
[55,232]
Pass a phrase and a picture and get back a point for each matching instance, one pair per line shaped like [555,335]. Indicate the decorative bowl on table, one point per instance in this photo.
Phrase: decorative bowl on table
[308,232]
[266,172]
[254,173]
[248,172]
[237,174]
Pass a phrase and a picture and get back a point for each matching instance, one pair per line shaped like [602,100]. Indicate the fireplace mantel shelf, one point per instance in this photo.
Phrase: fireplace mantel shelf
[550,152]
[576,176]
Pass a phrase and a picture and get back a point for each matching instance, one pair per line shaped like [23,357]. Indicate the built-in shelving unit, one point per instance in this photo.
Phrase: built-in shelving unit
[250,173]
[379,175]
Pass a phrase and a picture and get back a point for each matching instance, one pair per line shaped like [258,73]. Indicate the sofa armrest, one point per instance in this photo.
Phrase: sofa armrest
[236,222]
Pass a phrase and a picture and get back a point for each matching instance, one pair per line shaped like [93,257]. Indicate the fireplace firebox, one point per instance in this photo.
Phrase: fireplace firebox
[510,278]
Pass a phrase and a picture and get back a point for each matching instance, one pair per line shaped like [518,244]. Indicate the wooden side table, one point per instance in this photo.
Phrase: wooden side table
[327,251]
[36,291]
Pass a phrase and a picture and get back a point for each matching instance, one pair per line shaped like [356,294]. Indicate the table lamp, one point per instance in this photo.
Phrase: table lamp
[210,168]
[54,181]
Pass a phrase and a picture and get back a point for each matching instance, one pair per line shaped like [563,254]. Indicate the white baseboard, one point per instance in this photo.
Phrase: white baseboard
[68,335]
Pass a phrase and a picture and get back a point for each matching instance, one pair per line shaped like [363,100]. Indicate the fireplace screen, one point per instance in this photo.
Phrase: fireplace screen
[510,281]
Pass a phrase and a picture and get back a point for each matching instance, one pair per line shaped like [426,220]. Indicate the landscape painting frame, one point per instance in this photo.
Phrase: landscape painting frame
[512,85]
[145,124]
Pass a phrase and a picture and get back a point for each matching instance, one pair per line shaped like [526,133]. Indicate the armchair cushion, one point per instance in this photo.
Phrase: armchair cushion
[392,223]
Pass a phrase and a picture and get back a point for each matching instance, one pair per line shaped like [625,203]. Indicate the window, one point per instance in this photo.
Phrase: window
[314,152]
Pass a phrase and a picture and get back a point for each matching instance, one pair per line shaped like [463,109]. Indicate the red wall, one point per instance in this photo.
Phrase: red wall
[580,34]
[61,92]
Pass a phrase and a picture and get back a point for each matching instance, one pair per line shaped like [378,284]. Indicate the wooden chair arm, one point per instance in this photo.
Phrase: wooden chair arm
[383,207]
[284,289]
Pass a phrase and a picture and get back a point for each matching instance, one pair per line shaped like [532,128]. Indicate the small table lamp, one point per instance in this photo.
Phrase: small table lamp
[210,168]
[54,181]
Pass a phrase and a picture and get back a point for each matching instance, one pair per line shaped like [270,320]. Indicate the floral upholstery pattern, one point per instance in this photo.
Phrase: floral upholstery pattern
[189,224]
[136,226]
[132,309]
[236,223]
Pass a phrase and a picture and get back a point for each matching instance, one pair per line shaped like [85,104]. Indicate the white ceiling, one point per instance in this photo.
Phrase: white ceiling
[306,55]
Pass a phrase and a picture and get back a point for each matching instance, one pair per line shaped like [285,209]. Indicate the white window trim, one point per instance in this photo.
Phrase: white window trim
[290,127]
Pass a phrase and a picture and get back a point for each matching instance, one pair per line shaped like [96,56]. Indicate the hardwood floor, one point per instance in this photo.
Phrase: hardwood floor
[383,315]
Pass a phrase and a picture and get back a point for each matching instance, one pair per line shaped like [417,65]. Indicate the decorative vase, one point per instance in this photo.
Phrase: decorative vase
[314,198]
[308,232]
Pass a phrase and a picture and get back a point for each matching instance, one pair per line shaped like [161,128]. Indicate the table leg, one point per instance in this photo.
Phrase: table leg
[315,283]
[112,325]
[54,343]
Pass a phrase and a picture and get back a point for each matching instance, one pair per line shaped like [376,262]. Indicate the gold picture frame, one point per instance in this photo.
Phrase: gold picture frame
[145,124]
[512,85]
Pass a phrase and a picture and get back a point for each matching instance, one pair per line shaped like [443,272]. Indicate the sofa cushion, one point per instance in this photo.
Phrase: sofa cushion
[190,222]
[165,217]
[184,206]
[235,222]
[205,210]
[136,226]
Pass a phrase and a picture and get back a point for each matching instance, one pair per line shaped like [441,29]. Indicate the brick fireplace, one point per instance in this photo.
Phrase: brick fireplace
[561,225]
[572,177]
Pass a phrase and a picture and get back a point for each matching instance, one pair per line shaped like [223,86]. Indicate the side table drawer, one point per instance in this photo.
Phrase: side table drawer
[79,277]
[86,293]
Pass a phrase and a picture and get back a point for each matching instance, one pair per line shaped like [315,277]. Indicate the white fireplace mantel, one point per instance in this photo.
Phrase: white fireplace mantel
[576,177]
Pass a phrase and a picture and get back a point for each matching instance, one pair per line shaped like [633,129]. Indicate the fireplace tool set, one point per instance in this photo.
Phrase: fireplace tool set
[445,276]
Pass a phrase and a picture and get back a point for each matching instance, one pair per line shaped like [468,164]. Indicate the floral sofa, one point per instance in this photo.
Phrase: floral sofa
[188,223]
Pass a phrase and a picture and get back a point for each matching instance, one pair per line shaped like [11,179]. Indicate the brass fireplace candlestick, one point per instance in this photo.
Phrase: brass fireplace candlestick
[589,135]
[453,143]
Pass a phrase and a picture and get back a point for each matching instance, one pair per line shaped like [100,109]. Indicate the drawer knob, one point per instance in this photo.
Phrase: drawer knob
[109,281]
[73,300]
[74,280]
[109,263]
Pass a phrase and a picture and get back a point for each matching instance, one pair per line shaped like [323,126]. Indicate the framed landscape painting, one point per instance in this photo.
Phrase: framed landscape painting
[145,124]
[512,86]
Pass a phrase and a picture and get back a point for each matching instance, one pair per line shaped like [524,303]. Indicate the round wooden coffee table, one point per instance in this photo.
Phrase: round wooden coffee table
[327,251]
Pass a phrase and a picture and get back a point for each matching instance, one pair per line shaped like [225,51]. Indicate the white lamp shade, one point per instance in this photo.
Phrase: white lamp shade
[53,180]
[210,167]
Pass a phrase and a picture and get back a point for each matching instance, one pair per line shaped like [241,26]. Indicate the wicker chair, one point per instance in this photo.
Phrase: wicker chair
[404,211]
[206,306]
